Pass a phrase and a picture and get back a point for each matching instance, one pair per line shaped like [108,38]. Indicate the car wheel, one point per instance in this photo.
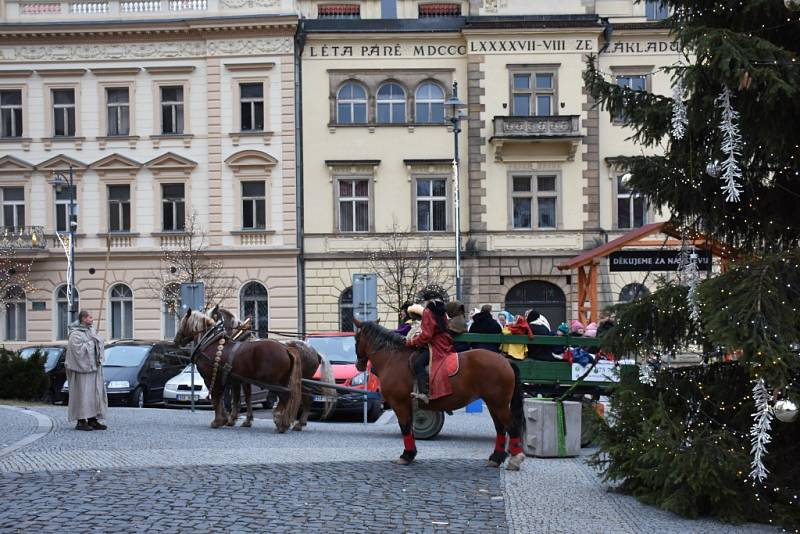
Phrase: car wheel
[136,400]
[427,424]
[374,411]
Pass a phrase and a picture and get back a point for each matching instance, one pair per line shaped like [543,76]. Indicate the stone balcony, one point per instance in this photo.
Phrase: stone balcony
[561,130]
[89,10]
[22,238]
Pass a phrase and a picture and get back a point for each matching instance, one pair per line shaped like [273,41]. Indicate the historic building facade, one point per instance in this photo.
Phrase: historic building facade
[161,109]
[538,183]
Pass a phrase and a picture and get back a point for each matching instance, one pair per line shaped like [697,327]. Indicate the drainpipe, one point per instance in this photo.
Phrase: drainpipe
[299,43]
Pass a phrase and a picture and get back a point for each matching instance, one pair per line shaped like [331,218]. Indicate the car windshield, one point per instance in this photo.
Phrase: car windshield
[340,349]
[126,355]
[52,355]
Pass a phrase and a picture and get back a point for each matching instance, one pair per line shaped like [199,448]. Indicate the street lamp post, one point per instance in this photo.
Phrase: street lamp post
[454,107]
[61,179]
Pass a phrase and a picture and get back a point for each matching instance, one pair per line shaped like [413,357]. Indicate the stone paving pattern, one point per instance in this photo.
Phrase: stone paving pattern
[15,426]
[167,470]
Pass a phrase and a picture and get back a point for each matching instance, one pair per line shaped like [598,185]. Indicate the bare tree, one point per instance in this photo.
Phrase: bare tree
[189,262]
[406,274]
[15,263]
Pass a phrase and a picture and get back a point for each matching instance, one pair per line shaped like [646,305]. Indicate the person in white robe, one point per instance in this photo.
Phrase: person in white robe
[88,401]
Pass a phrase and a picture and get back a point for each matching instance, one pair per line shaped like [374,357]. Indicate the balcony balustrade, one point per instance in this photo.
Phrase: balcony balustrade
[22,237]
[559,129]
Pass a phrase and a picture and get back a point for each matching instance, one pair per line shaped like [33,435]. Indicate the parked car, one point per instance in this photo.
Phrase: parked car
[178,390]
[136,371]
[53,366]
[340,349]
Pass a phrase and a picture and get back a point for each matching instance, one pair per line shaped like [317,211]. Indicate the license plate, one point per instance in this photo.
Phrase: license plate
[188,397]
[319,398]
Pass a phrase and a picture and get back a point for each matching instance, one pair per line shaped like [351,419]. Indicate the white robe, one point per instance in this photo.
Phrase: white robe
[87,392]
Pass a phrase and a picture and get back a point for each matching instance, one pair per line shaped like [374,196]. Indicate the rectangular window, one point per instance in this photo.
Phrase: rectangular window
[254,205]
[251,97]
[11,113]
[15,320]
[63,112]
[339,11]
[13,203]
[172,110]
[431,204]
[635,82]
[118,111]
[353,205]
[533,93]
[656,10]
[62,207]
[534,201]
[173,208]
[119,208]
[631,207]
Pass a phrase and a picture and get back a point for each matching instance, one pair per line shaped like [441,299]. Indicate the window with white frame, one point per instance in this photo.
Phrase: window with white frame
[62,194]
[431,204]
[534,200]
[63,112]
[634,82]
[171,109]
[351,104]
[119,208]
[254,306]
[631,206]
[121,313]
[170,310]
[173,207]
[62,311]
[118,111]
[391,104]
[15,320]
[346,314]
[353,205]
[533,93]
[429,103]
[11,113]
[251,100]
[12,200]
[254,205]
[656,10]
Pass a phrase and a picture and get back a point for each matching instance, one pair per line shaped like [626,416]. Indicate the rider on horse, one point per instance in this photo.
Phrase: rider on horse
[434,335]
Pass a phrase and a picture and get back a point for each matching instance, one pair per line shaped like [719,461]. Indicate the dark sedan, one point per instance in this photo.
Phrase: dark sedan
[53,366]
[136,371]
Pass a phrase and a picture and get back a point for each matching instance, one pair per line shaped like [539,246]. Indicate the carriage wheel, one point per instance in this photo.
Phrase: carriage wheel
[427,424]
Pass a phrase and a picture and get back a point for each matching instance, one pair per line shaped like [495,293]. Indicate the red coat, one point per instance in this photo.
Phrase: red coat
[441,345]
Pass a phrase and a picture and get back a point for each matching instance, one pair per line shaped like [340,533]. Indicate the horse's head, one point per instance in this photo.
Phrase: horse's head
[362,354]
[192,325]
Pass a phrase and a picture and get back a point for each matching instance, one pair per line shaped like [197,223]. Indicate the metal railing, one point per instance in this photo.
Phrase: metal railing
[22,237]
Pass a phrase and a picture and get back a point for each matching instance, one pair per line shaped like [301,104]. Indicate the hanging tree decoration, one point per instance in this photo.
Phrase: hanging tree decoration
[692,273]
[731,146]
[679,119]
[647,374]
[759,432]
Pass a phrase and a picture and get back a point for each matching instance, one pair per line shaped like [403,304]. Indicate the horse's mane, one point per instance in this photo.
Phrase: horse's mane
[197,321]
[382,338]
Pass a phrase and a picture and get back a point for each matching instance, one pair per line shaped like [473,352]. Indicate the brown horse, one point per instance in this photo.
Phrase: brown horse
[482,374]
[264,361]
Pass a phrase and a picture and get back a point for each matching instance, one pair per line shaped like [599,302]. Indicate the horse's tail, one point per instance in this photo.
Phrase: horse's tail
[326,375]
[517,413]
[289,414]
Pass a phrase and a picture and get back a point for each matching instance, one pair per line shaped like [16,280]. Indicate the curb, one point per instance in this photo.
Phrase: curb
[44,426]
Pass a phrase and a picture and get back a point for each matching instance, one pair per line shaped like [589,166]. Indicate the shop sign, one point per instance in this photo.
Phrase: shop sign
[652,260]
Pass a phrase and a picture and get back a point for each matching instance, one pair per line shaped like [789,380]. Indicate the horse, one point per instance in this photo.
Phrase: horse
[482,374]
[263,361]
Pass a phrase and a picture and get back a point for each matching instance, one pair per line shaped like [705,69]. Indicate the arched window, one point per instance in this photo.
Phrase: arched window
[121,313]
[351,104]
[62,311]
[633,291]
[429,103]
[253,299]
[15,320]
[432,292]
[346,310]
[544,297]
[170,310]
[391,103]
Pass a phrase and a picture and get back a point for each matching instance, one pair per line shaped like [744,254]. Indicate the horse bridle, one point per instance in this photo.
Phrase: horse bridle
[207,339]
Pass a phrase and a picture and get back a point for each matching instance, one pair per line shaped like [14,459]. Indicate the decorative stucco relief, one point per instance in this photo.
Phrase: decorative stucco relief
[236,4]
[222,47]
[491,6]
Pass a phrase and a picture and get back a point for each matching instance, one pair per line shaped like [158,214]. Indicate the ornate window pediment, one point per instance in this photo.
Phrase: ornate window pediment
[170,162]
[61,162]
[115,162]
[12,165]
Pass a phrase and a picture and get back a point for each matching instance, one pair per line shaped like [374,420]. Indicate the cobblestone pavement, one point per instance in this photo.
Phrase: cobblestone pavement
[16,425]
[166,470]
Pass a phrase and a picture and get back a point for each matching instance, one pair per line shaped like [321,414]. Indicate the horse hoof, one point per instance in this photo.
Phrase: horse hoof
[230,422]
[247,424]
[297,428]
[216,424]
[402,461]
[515,462]
[492,463]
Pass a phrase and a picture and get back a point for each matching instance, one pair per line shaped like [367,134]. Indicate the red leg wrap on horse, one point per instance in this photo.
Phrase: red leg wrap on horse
[500,443]
[408,442]
[514,447]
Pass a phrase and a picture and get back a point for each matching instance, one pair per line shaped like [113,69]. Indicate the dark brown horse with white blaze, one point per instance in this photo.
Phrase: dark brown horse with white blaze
[265,362]
[482,374]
